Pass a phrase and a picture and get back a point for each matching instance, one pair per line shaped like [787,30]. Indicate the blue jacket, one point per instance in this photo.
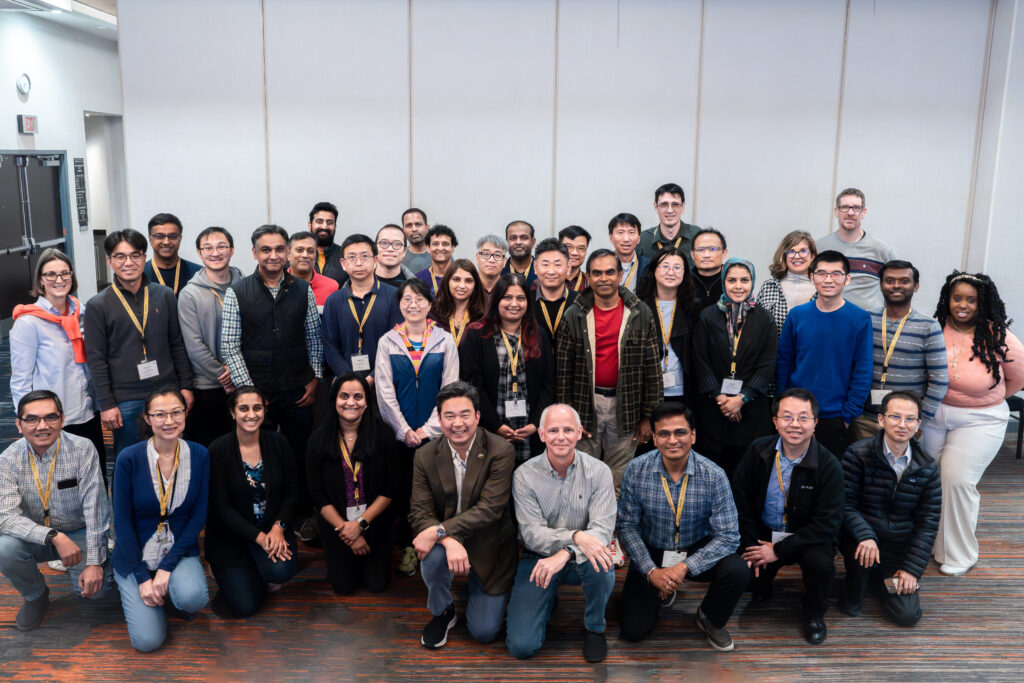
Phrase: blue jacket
[341,329]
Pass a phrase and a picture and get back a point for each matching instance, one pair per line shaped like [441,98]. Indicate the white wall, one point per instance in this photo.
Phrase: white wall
[71,73]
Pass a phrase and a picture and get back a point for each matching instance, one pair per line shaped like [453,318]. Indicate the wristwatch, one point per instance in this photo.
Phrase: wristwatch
[281,524]
[363,524]
[50,535]
[572,553]
[441,533]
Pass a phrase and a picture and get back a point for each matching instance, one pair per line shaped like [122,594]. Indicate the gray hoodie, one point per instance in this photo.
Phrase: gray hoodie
[199,317]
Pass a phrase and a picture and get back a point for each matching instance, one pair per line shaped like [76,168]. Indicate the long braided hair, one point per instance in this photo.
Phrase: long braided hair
[989,343]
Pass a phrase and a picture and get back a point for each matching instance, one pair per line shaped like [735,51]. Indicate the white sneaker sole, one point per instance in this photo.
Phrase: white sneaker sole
[720,648]
[444,640]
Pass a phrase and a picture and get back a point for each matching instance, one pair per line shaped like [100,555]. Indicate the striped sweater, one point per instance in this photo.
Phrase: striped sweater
[918,363]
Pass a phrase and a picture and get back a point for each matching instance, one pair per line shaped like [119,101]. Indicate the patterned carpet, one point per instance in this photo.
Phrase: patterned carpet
[971,629]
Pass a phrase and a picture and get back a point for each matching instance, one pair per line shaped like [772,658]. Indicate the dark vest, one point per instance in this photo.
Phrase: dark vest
[274,332]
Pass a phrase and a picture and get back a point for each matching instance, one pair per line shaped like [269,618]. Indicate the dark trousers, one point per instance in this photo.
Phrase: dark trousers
[209,417]
[819,571]
[92,430]
[403,532]
[728,457]
[903,610]
[833,434]
[639,604]
[346,571]
[243,585]
[295,424]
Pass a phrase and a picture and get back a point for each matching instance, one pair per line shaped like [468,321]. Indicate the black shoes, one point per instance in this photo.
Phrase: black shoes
[595,647]
[435,634]
[718,638]
[32,612]
[849,608]
[307,532]
[815,631]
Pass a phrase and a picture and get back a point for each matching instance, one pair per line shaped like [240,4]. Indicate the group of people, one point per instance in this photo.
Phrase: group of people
[636,402]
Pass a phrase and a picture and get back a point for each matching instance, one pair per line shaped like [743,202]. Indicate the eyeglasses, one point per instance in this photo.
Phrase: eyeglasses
[491,255]
[359,258]
[162,415]
[804,253]
[678,433]
[574,249]
[849,209]
[168,236]
[385,245]
[707,250]
[412,301]
[909,421]
[802,420]
[826,274]
[670,268]
[670,205]
[33,420]
[53,277]
[221,248]
[135,256]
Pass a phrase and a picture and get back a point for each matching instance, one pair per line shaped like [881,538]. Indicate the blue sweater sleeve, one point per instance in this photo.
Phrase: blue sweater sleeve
[784,359]
[127,557]
[862,370]
[197,501]
[334,341]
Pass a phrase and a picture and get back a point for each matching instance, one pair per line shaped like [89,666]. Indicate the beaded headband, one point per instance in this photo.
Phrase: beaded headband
[965,276]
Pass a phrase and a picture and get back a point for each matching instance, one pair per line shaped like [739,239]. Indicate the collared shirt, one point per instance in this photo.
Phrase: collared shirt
[231,335]
[460,471]
[775,501]
[645,518]
[551,508]
[898,464]
[628,280]
[82,502]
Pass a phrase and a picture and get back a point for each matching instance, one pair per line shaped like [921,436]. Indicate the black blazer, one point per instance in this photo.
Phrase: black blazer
[681,341]
[230,523]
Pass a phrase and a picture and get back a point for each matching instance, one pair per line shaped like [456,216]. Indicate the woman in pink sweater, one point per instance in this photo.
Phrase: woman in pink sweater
[986,364]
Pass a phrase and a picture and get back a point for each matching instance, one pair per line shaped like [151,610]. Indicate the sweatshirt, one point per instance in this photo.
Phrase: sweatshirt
[199,317]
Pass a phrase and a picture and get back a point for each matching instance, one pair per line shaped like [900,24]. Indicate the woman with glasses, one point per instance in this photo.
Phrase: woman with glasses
[353,479]
[666,286]
[734,347]
[253,492]
[507,358]
[161,489]
[460,300]
[790,284]
[986,365]
[414,360]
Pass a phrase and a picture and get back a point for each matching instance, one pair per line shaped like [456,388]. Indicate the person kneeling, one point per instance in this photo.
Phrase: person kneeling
[891,516]
[565,505]
[677,520]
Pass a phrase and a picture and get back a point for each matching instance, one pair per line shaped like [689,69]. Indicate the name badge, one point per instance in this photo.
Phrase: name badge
[361,363]
[672,557]
[780,536]
[354,512]
[516,408]
[877,395]
[148,369]
[668,379]
[731,387]
[164,543]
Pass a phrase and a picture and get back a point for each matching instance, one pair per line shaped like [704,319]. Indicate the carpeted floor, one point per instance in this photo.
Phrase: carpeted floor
[971,630]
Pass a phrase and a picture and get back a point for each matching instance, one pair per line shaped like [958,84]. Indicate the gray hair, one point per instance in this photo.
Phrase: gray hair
[494,241]
[544,414]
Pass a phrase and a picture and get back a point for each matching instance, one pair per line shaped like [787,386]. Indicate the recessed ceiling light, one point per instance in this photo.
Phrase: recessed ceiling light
[56,11]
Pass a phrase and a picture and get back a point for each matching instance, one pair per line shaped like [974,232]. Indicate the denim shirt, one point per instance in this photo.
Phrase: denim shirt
[775,501]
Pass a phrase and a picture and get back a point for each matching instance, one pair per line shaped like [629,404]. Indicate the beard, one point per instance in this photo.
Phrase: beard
[323,239]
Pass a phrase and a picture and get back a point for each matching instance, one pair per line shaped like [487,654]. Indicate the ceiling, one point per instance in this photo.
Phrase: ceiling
[94,17]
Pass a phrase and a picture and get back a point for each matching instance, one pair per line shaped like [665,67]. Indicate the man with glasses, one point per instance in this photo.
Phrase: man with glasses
[789,497]
[53,505]
[166,267]
[391,243]
[199,313]
[133,342]
[866,253]
[490,260]
[552,291]
[826,347]
[891,514]
[302,255]
[708,252]
[577,241]
[521,240]
[323,223]
[677,521]
[415,227]
[670,232]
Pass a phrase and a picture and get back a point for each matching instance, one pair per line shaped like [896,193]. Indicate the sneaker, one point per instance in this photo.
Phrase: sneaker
[950,570]
[670,600]
[307,531]
[595,647]
[32,612]
[435,633]
[617,555]
[407,562]
[56,565]
[719,638]
[848,608]
[273,587]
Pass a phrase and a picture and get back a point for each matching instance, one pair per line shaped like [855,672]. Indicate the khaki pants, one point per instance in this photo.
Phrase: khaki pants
[605,444]
[862,427]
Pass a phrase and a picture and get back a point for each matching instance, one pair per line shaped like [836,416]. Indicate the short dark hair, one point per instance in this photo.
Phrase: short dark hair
[163,219]
[416,285]
[520,222]
[212,229]
[623,219]
[550,244]
[904,395]
[268,229]
[830,256]
[458,389]
[245,389]
[897,264]
[358,238]
[49,256]
[421,212]
[574,231]
[709,231]
[405,240]
[851,192]
[799,394]
[442,230]
[323,206]
[670,188]
[300,235]
[39,395]
[666,409]
[601,253]
[135,239]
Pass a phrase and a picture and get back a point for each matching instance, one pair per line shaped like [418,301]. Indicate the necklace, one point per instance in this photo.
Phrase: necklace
[957,328]
[955,365]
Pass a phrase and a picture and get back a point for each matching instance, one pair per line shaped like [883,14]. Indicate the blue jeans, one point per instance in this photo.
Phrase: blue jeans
[130,433]
[147,626]
[484,612]
[19,560]
[530,606]
[243,585]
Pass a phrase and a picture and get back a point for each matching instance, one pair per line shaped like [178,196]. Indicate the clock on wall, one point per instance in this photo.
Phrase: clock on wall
[24,84]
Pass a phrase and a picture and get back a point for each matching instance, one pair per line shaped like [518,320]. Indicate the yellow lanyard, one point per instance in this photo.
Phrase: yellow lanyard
[217,294]
[735,346]
[131,314]
[677,511]
[356,469]
[578,284]
[44,493]
[782,487]
[166,492]
[890,348]
[666,330]
[632,272]
[674,246]
[458,332]
[433,279]
[525,273]
[177,275]
[321,259]
[513,358]
[366,316]
[558,316]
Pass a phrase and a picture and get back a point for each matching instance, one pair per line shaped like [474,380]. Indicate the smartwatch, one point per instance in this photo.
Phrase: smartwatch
[363,524]
[572,553]
[441,533]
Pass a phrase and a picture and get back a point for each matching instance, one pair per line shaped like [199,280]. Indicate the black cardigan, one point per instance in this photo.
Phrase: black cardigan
[681,341]
[230,522]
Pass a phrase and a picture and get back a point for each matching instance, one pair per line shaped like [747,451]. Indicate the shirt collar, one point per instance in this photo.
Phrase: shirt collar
[784,459]
[891,456]
[48,453]
[689,469]
[572,466]
[455,454]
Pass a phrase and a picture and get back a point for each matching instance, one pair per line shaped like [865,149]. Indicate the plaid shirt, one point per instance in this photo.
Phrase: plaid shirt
[639,386]
[83,504]
[646,519]
[505,390]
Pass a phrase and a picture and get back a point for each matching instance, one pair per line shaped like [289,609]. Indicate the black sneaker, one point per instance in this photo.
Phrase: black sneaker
[719,638]
[307,532]
[670,600]
[32,612]
[595,647]
[435,633]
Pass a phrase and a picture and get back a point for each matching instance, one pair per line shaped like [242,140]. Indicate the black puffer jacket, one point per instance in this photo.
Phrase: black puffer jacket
[903,517]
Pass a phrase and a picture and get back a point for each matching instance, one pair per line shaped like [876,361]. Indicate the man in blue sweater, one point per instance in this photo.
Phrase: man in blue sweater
[826,347]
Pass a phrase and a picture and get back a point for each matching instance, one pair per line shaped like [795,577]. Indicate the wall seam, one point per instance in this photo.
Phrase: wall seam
[266,106]
[408,22]
[696,133]
[554,128]
[839,116]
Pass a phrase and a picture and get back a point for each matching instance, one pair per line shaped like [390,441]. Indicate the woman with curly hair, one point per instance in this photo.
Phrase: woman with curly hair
[460,299]
[790,284]
[986,364]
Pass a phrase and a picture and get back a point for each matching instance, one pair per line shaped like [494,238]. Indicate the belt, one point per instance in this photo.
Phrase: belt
[605,391]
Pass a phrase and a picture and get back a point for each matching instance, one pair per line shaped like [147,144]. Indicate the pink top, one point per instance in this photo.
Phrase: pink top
[970,380]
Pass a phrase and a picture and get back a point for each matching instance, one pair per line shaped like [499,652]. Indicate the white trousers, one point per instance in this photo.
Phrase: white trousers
[963,441]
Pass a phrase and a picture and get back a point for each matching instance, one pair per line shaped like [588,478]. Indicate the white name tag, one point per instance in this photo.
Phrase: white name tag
[780,536]
[668,379]
[877,395]
[361,363]
[731,387]
[672,557]
[516,408]
[354,512]
[148,369]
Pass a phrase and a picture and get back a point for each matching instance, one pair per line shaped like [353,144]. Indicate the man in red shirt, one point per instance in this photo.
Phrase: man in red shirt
[302,256]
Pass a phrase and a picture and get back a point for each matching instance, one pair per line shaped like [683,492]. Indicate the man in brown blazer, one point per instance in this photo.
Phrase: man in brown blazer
[459,512]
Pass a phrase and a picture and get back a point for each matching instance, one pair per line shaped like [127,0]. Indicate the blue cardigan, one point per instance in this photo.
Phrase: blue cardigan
[137,511]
